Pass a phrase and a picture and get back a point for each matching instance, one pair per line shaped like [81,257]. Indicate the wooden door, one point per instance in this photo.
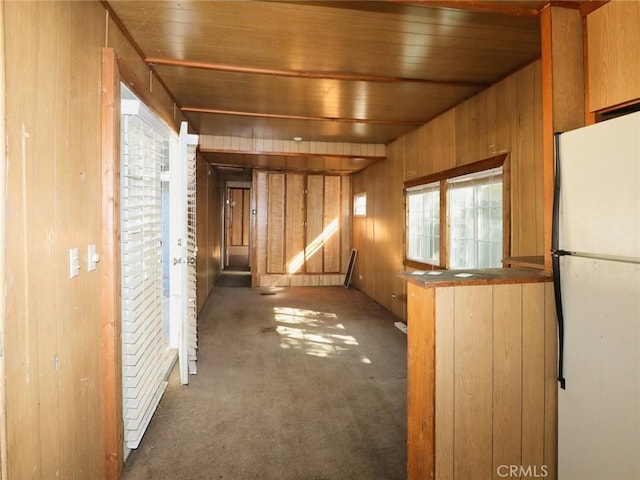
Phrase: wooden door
[237,228]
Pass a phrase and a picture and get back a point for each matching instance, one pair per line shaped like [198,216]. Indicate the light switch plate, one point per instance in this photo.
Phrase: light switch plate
[92,258]
[74,262]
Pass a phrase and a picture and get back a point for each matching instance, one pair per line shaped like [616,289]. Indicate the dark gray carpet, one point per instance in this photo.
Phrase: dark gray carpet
[234,278]
[305,383]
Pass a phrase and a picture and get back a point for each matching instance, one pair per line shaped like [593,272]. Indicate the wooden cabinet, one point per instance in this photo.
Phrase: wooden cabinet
[302,226]
[613,46]
[482,389]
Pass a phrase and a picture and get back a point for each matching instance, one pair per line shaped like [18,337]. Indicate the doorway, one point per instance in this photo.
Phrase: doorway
[236,268]
[237,228]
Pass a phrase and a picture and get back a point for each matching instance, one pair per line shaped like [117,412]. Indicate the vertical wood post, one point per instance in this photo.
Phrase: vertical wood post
[563,94]
[110,267]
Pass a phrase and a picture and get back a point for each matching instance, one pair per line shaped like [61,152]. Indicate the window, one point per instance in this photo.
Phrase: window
[423,223]
[456,219]
[475,220]
[360,205]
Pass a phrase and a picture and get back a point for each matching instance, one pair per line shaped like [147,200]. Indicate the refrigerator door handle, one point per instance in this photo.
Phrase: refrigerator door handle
[556,253]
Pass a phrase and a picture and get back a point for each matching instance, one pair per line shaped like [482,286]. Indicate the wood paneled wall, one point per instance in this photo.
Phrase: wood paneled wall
[482,380]
[54,401]
[507,117]
[209,194]
[302,228]
[54,409]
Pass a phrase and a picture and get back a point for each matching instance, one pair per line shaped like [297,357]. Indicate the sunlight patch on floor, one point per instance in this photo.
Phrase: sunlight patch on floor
[319,334]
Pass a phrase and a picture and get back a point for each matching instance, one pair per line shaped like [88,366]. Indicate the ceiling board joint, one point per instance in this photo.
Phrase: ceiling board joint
[352,77]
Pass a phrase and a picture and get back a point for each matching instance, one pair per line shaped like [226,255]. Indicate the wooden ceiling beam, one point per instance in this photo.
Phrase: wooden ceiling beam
[475,6]
[268,153]
[301,117]
[352,77]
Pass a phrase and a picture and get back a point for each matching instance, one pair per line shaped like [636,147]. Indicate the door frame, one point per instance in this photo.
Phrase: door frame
[111,308]
[225,251]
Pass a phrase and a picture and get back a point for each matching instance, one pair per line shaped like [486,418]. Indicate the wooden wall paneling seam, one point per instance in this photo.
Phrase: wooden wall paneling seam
[473,373]
[110,267]
[533,375]
[331,217]
[246,213]
[314,214]
[45,133]
[3,286]
[305,235]
[294,228]
[256,234]
[346,223]
[507,375]
[275,223]
[551,383]
[445,384]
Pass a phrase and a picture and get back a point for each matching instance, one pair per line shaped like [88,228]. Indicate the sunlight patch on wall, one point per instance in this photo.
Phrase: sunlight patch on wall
[298,260]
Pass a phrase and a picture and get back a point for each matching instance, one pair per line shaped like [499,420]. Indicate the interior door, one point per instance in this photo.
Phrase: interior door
[183,249]
[237,229]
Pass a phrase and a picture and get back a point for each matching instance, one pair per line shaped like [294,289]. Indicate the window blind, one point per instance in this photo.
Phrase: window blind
[145,351]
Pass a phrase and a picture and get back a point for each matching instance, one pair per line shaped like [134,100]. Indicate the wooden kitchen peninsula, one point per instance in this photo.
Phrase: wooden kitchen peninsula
[482,392]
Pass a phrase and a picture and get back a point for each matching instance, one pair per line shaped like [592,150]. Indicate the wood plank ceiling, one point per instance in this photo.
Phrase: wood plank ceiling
[359,72]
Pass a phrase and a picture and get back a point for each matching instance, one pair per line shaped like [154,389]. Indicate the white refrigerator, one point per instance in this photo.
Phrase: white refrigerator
[596,257]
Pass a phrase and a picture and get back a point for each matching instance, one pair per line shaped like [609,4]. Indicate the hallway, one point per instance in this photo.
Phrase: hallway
[302,383]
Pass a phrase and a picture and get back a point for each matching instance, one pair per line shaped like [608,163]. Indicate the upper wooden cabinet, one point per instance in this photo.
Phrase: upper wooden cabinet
[613,41]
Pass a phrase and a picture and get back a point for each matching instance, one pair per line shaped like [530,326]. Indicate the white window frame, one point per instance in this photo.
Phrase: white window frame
[472,236]
[423,223]
[360,204]
[447,180]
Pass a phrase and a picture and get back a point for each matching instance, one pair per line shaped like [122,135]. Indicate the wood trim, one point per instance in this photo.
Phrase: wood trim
[421,380]
[444,221]
[420,265]
[591,6]
[547,132]
[351,77]
[506,208]
[301,117]
[253,241]
[291,154]
[589,116]
[486,164]
[475,6]
[136,84]
[112,14]
[110,268]
[3,287]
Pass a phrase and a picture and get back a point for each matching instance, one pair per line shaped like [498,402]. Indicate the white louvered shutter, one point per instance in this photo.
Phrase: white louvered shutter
[192,251]
[145,352]
[183,250]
